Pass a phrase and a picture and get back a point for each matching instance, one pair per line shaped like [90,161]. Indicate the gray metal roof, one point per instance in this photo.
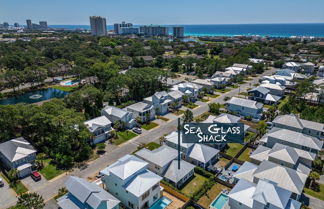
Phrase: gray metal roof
[98,122]
[140,106]
[176,94]
[260,89]
[245,103]
[284,153]
[203,153]
[16,149]
[295,138]
[174,174]
[296,122]
[161,94]
[160,156]
[88,193]
[115,111]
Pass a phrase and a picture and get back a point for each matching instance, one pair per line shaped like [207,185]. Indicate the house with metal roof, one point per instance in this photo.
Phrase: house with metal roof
[176,97]
[263,194]
[284,177]
[18,154]
[162,161]
[294,123]
[245,107]
[262,94]
[160,101]
[205,83]
[83,194]
[290,157]
[116,114]
[219,82]
[291,66]
[100,127]
[225,118]
[274,89]
[197,154]
[189,89]
[142,110]
[292,139]
[130,181]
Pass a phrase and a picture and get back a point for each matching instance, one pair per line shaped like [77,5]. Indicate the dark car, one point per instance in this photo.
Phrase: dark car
[36,176]
[137,130]
[1,182]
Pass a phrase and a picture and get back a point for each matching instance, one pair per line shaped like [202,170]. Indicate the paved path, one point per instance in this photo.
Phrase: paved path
[49,189]
[315,203]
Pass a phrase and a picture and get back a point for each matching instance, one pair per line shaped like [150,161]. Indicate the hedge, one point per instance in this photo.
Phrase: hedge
[203,172]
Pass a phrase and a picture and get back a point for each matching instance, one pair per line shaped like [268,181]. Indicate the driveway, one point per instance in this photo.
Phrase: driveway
[32,185]
[49,189]
[7,196]
[315,203]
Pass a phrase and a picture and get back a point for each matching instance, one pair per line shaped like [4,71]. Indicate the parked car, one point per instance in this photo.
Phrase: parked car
[99,175]
[137,130]
[36,176]
[1,182]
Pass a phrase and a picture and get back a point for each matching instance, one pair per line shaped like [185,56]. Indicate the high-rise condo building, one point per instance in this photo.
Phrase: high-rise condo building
[98,26]
[43,24]
[154,30]
[178,32]
[16,24]
[29,24]
[125,28]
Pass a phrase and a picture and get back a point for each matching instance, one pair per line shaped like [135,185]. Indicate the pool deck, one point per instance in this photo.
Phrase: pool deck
[175,204]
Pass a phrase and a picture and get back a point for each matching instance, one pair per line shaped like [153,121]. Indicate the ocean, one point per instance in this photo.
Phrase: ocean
[272,30]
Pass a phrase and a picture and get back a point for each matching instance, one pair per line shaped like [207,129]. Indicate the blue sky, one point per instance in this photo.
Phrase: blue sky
[164,11]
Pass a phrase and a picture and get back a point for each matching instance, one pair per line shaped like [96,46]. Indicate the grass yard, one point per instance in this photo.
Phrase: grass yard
[283,102]
[191,105]
[223,90]
[178,112]
[162,118]
[202,117]
[209,197]
[267,106]
[222,162]
[244,93]
[19,188]
[123,137]
[248,136]
[212,95]
[64,88]
[234,86]
[204,100]
[319,195]
[233,149]
[149,126]
[152,146]
[50,171]
[245,156]
[194,185]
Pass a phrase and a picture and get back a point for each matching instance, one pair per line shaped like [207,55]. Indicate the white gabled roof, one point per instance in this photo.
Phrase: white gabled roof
[245,103]
[261,153]
[294,121]
[16,149]
[125,167]
[174,174]
[273,86]
[246,171]
[97,122]
[115,111]
[173,138]
[243,192]
[203,153]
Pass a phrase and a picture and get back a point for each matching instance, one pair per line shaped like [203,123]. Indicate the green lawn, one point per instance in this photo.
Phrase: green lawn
[234,86]
[222,162]
[212,95]
[223,90]
[178,112]
[267,106]
[149,126]
[194,185]
[49,170]
[202,117]
[162,118]
[19,188]
[282,102]
[123,136]
[210,196]
[244,93]
[245,156]
[319,195]
[233,149]
[248,136]
[65,88]
[204,100]
[191,105]
[152,146]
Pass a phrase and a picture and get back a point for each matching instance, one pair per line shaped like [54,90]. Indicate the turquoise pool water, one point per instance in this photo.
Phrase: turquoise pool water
[162,203]
[220,201]
[70,83]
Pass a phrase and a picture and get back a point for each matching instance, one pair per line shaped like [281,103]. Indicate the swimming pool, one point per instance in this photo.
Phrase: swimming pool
[162,203]
[69,83]
[220,201]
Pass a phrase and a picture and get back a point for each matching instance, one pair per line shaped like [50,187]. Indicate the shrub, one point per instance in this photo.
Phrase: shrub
[203,172]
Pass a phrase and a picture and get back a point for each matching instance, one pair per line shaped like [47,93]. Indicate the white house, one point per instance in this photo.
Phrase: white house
[100,127]
[142,110]
[308,67]
[205,83]
[160,101]
[274,89]
[190,89]
[291,66]
[116,114]
[132,183]
[245,107]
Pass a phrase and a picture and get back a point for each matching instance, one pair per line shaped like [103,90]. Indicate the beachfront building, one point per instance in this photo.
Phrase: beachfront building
[130,181]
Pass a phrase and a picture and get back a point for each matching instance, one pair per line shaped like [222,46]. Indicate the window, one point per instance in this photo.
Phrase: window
[155,186]
[145,195]
[131,205]
[115,184]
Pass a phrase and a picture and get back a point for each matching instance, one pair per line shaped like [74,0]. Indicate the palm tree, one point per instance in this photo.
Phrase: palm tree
[161,140]
[187,116]
[31,200]
[313,176]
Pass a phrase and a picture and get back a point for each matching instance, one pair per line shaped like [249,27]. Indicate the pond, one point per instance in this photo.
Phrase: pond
[34,96]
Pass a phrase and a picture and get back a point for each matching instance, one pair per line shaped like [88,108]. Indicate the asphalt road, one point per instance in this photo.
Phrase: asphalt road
[49,189]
